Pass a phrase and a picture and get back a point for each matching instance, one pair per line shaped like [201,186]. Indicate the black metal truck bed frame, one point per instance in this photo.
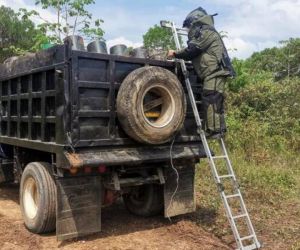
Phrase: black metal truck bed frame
[61,101]
[59,106]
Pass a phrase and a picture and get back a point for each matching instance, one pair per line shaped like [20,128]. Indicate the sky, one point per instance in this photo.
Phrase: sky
[251,25]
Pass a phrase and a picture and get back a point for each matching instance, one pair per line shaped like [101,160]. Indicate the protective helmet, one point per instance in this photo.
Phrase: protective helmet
[193,16]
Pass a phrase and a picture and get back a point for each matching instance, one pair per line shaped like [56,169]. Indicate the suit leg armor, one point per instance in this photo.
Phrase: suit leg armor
[212,109]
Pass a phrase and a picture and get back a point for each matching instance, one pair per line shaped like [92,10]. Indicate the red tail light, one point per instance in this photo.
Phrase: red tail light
[73,171]
[102,169]
[87,170]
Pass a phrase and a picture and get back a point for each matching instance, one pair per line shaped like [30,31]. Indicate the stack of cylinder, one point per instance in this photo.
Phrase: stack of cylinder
[99,46]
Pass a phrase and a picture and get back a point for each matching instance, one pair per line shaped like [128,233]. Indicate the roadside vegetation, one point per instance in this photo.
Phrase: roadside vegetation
[263,118]
[20,35]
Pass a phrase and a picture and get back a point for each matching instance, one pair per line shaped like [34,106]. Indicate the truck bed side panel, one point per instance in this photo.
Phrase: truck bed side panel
[96,79]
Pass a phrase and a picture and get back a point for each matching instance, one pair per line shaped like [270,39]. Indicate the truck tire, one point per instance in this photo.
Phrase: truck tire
[151,105]
[146,200]
[38,198]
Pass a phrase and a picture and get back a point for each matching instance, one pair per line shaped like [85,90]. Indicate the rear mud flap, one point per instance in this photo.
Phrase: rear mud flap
[183,201]
[78,211]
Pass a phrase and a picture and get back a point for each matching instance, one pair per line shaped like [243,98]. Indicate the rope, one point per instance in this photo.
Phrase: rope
[70,142]
[177,178]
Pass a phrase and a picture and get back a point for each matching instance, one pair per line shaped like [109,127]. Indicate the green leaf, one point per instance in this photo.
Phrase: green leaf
[159,38]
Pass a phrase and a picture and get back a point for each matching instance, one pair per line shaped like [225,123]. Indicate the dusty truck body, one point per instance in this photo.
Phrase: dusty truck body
[62,140]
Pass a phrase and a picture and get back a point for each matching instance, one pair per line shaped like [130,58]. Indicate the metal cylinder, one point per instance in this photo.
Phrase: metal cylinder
[75,42]
[120,50]
[140,52]
[97,46]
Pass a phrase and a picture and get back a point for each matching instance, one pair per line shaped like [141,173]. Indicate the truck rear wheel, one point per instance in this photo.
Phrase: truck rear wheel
[151,105]
[38,198]
[146,200]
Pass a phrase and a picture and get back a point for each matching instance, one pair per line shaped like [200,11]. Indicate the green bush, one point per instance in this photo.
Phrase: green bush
[266,116]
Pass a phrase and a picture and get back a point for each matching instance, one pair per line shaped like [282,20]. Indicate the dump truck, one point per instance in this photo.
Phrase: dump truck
[80,130]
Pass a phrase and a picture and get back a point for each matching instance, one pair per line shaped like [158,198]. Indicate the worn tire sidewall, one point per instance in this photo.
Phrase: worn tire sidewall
[135,119]
[35,224]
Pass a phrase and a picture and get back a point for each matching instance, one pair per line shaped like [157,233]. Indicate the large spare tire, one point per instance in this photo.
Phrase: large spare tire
[151,105]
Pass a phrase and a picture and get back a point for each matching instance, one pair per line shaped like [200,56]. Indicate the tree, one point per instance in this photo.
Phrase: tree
[159,38]
[291,57]
[17,35]
[283,61]
[72,18]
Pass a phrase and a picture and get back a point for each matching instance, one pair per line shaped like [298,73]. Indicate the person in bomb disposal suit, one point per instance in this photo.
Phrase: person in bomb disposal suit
[212,64]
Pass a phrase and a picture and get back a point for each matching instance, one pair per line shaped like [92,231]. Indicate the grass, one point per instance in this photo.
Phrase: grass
[271,190]
[263,121]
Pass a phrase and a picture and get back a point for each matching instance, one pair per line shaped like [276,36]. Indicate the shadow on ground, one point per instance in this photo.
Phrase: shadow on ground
[117,221]
[9,191]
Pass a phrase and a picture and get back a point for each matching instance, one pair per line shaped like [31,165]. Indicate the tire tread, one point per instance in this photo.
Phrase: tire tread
[42,171]
[126,104]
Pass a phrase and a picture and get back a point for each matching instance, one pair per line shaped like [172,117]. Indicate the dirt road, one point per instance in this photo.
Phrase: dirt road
[121,230]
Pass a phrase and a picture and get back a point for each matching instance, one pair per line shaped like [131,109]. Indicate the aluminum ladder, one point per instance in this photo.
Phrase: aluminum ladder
[234,219]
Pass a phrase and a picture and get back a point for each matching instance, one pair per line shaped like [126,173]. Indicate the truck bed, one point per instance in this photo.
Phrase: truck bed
[61,101]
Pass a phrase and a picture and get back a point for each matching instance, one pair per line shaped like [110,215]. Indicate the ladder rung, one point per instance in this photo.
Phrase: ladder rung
[225,176]
[220,157]
[239,216]
[232,196]
[251,247]
[247,237]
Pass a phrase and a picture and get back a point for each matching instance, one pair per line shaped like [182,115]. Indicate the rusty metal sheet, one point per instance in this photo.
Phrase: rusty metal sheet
[132,156]
[74,159]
